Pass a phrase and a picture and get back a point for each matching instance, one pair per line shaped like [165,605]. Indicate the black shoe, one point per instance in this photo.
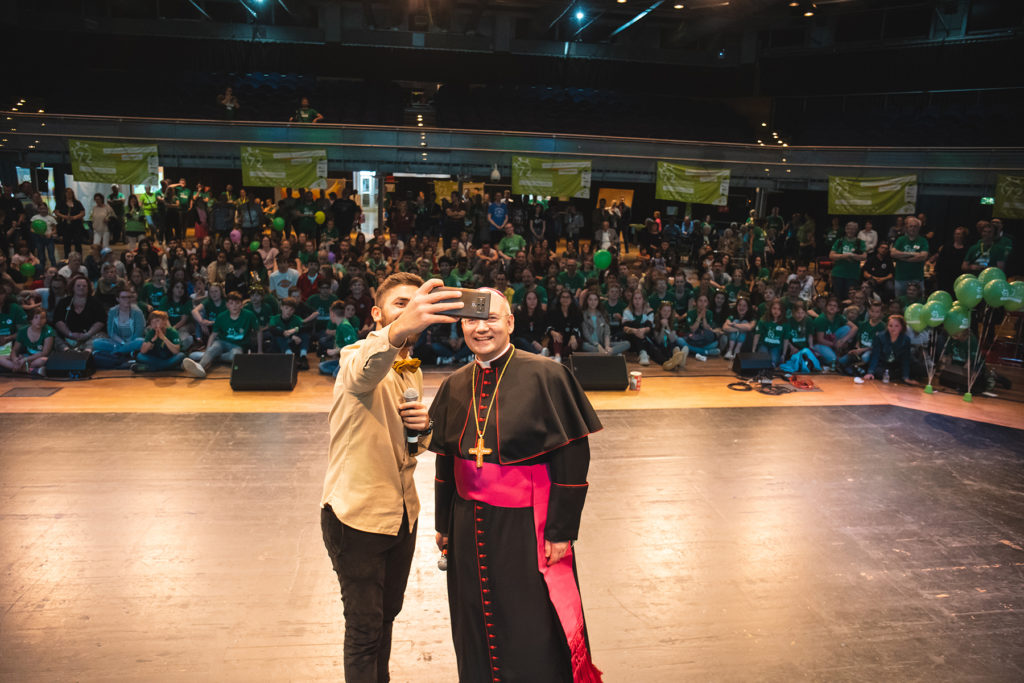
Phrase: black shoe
[303,363]
[140,367]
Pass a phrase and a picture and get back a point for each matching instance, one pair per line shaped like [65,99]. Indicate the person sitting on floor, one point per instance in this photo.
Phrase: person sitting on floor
[866,333]
[232,333]
[737,327]
[596,331]
[32,346]
[126,326]
[669,348]
[797,347]
[161,347]
[771,332]
[344,334]
[891,351]
[290,333]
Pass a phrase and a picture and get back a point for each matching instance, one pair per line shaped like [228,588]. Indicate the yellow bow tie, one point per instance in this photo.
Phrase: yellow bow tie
[404,364]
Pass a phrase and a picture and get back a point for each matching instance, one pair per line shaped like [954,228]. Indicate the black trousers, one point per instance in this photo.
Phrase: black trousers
[373,570]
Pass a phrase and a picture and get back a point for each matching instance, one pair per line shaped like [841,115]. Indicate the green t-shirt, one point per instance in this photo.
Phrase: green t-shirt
[542,294]
[655,300]
[572,282]
[980,255]
[771,333]
[732,290]
[211,311]
[463,278]
[758,241]
[154,296]
[846,268]
[12,319]
[903,270]
[184,198]
[237,331]
[30,347]
[305,220]
[799,334]
[959,349]
[305,114]
[618,307]
[322,305]
[691,319]
[175,311]
[510,245]
[866,332]
[823,324]
[345,334]
[906,301]
[149,202]
[158,344]
[268,309]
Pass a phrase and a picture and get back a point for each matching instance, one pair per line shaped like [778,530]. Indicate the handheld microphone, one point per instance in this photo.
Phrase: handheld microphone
[412,437]
[442,562]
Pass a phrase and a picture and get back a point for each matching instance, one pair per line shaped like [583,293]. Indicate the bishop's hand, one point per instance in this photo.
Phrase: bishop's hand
[554,552]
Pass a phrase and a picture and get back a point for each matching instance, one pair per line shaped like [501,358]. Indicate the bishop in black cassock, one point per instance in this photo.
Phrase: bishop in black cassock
[510,487]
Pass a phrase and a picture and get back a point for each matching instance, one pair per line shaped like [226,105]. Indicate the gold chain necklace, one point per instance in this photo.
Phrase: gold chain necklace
[480,450]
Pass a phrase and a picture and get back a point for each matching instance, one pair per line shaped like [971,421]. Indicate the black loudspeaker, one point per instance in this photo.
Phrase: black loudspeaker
[70,364]
[955,377]
[599,372]
[751,363]
[263,372]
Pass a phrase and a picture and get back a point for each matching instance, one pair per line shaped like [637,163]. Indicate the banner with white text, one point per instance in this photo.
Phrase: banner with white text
[872,196]
[551,177]
[277,167]
[126,163]
[679,183]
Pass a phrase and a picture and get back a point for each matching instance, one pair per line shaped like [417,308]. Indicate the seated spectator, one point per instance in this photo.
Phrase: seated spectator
[564,321]
[284,278]
[596,330]
[109,286]
[161,348]
[530,324]
[771,332]
[126,328]
[737,326]
[80,319]
[289,333]
[12,318]
[638,326]
[178,307]
[306,113]
[232,333]
[866,333]
[797,347]
[208,310]
[32,347]
[74,266]
[344,334]
[669,349]
[154,292]
[239,278]
[527,283]
[363,302]
[321,302]
[700,327]
[891,351]
[832,334]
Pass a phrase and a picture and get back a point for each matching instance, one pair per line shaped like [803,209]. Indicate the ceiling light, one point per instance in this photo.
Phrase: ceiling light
[766,170]
[31,146]
[789,170]
[679,6]
[775,135]
[794,4]
[41,111]
[621,2]
[808,13]
[764,124]
[420,124]
[785,144]
[423,144]
[579,16]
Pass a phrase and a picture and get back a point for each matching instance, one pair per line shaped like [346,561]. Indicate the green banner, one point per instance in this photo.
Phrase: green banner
[679,183]
[1009,197]
[114,162]
[551,177]
[872,196]
[278,167]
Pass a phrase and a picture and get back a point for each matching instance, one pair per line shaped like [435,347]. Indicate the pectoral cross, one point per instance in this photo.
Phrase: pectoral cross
[480,451]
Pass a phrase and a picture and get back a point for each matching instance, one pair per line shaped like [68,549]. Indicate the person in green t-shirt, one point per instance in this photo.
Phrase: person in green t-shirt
[154,292]
[321,302]
[32,346]
[306,113]
[12,318]
[264,306]
[232,334]
[344,335]
[511,244]
[526,284]
[832,333]
[912,296]
[865,338]
[289,331]
[178,307]
[985,253]
[209,308]
[799,333]
[740,322]
[161,346]
[571,278]
[847,254]
[909,252]
[770,333]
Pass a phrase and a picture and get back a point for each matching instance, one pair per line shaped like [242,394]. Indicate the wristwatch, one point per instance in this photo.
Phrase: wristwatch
[428,430]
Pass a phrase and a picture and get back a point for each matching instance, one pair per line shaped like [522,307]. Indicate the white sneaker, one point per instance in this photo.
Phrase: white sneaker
[545,352]
[558,358]
[192,368]
[729,356]
[644,358]
[858,380]
[700,356]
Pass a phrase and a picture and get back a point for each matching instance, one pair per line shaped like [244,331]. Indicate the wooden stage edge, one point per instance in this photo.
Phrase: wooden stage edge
[116,392]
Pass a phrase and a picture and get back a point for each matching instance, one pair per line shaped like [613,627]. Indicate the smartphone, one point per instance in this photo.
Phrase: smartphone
[475,304]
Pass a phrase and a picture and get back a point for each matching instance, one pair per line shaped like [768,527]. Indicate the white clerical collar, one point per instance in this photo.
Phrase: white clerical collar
[487,363]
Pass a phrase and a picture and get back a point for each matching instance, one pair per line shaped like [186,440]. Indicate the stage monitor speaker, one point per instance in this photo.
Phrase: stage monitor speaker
[599,372]
[263,372]
[70,364]
[751,363]
[955,377]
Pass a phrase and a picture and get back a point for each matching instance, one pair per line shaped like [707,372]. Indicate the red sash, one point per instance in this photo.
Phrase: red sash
[530,486]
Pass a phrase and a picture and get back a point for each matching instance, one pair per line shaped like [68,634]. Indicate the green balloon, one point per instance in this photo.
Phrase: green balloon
[915,317]
[935,313]
[962,277]
[997,293]
[602,259]
[27,269]
[1015,301]
[969,292]
[956,321]
[940,295]
[278,223]
[39,226]
[989,274]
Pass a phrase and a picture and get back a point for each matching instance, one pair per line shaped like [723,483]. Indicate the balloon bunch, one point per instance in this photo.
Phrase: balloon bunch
[990,286]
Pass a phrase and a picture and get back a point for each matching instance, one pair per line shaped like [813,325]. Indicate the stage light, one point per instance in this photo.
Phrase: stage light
[579,16]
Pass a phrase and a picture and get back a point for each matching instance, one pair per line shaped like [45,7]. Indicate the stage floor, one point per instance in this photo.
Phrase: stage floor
[856,543]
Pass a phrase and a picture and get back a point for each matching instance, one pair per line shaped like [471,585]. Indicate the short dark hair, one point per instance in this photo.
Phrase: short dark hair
[338,307]
[396,280]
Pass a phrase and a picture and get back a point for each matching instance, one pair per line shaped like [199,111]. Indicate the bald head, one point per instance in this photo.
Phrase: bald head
[489,338]
[499,304]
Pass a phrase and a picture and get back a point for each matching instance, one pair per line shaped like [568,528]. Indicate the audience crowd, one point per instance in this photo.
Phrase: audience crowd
[203,276]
